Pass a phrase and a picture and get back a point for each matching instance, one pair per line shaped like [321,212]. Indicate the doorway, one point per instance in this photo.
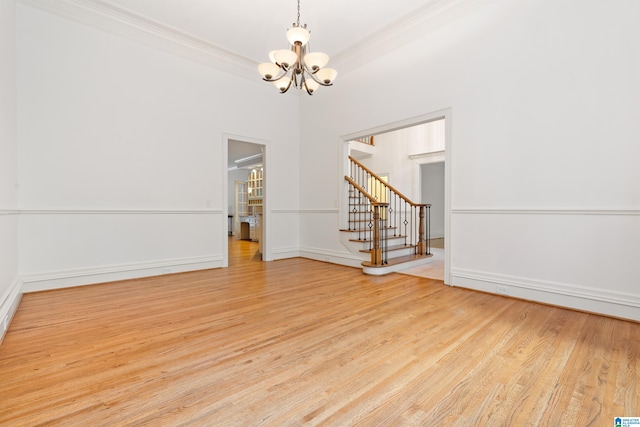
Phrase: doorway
[432,183]
[412,160]
[432,180]
[245,200]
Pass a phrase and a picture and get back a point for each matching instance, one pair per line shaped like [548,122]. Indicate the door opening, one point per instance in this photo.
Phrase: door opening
[416,142]
[246,194]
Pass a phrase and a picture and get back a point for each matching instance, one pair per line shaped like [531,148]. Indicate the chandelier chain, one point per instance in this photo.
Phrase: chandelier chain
[298,22]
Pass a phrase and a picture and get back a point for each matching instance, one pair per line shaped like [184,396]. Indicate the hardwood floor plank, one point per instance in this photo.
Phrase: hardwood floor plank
[299,342]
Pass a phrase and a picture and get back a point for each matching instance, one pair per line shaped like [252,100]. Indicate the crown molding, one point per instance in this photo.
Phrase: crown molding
[101,14]
[124,22]
[402,31]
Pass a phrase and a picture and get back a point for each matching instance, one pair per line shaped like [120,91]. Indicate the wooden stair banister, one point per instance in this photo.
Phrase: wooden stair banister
[386,184]
[422,247]
[385,222]
[377,252]
[366,140]
[361,190]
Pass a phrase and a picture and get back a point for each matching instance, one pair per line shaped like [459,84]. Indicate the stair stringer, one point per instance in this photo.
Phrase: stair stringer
[353,247]
[393,268]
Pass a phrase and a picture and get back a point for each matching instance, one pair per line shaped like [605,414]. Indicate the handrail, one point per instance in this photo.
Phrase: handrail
[365,193]
[366,140]
[389,186]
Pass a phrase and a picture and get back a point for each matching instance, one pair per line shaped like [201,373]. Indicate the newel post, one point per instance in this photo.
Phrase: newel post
[422,242]
[376,252]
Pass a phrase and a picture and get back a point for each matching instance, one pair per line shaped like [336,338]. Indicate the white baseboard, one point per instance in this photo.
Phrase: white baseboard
[599,301]
[90,276]
[342,258]
[334,257]
[283,253]
[9,305]
[317,254]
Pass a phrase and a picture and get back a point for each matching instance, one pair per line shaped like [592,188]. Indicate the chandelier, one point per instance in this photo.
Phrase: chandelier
[297,66]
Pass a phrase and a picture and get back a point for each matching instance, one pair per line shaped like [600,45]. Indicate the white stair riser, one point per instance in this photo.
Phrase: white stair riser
[357,247]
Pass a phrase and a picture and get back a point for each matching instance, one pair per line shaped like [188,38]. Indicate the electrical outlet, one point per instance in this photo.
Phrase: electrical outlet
[502,289]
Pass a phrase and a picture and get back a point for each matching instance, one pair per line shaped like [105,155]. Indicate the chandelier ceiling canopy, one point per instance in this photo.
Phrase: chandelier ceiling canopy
[297,66]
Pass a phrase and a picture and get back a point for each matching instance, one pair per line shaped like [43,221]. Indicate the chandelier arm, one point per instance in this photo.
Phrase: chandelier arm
[312,74]
[297,84]
[289,85]
[276,78]
[307,88]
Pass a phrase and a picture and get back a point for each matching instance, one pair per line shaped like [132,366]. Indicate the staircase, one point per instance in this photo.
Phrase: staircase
[388,230]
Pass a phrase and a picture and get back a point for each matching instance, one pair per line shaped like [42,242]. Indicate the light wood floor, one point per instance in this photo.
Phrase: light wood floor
[299,342]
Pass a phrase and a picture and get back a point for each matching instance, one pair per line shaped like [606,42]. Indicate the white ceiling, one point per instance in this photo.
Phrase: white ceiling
[240,150]
[255,27]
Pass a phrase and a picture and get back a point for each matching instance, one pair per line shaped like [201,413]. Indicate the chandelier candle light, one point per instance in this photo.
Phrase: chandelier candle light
[297,67]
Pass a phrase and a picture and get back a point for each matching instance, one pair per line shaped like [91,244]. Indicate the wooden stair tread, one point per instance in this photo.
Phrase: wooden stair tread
[371,240]
[362,230]
[397,260]
[366,220]
[392,248]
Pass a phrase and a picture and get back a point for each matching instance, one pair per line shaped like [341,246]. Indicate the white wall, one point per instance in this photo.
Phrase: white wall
[544,98]
[120,151]
[432,175]
[9,282]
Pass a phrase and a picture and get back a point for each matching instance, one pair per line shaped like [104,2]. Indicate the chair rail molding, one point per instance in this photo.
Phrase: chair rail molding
[320,211]
[119,211]
[545,211]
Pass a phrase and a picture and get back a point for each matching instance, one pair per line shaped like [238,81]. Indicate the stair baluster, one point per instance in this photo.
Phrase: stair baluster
[386,209]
